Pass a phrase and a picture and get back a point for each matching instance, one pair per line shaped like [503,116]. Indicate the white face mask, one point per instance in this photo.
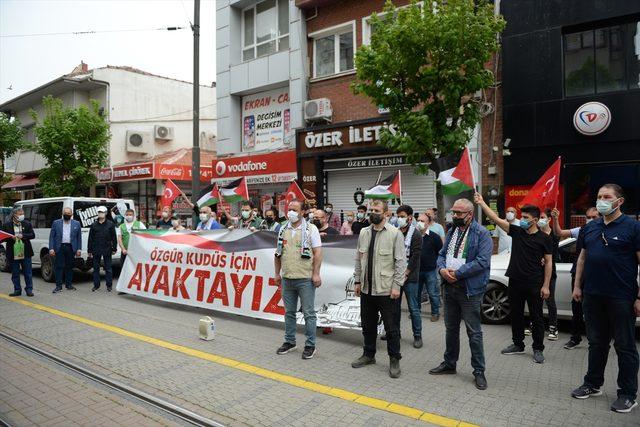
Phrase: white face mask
[402,222]
[350,218]
[328,210]
[204,217]
[292,216]
[175,223]
[542,223]
[310,216]
[511,216]
[420,225]
[129,218]
[165,215]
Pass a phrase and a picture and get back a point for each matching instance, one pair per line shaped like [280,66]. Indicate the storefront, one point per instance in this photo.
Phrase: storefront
[339,162]
[144,182]
[268,175]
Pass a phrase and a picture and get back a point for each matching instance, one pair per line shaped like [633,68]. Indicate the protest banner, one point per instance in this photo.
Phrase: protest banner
[232,271]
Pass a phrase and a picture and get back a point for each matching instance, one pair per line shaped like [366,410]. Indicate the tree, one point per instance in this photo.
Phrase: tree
[73,141]
[11,140]
[424,64]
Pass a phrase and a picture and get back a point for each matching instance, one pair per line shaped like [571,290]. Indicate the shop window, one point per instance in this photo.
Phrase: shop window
[265,29]
[333,50]
[602,60]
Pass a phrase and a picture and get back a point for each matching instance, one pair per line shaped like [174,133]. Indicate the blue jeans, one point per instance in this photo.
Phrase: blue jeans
[429,280]
[608,318]
[108,272]
[412,292]
[458,306]
[25,264]
[291,290]
[64,265]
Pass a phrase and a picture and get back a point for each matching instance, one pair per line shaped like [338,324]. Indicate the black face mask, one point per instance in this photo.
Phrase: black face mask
[375,218]
[66,217]
[317,223]
[270,220]
[460,222]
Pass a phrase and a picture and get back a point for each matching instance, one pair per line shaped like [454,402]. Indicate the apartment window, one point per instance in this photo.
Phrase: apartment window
[265,29]
[602,60]
[333,50]
[368,28]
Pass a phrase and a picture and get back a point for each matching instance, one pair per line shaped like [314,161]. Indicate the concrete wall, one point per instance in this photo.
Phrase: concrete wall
[236,78]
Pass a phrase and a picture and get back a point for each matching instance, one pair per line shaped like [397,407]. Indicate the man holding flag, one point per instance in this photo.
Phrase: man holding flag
[18,233]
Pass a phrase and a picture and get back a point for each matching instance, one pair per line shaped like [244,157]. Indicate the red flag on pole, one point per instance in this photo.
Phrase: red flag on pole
[5,236]
[293,192]
[544,194]
[171,191]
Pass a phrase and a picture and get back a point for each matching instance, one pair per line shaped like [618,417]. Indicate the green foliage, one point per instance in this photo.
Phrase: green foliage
[74,143]
[11,136]
[425,64]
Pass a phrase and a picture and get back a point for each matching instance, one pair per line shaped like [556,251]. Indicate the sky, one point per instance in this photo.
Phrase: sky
[28,62]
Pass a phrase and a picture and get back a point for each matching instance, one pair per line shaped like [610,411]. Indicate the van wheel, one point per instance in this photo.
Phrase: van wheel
[4,265]
[46,269]
[495,307]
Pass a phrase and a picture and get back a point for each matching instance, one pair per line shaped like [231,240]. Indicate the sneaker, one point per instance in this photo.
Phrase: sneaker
[308,352]
[538,357]
[585,391]
[394,367]
[435,317]
[363,361]
[57,290]
[571,344]
[15,294]
[623,405]
[553,333]
[95,288]
[417,342]
[286,348]
[527,331]
[513,349]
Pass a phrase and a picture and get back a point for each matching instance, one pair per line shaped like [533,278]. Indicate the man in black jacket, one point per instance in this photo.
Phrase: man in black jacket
[19,251]
[413,249]
[102,245]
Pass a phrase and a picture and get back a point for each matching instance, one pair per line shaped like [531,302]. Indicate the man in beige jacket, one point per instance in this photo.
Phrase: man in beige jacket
[381,263]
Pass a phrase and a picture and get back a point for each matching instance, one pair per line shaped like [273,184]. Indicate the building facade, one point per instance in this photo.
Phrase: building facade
[576,97]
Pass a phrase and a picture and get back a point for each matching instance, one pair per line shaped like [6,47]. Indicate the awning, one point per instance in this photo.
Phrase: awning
[21,182]
[274,167]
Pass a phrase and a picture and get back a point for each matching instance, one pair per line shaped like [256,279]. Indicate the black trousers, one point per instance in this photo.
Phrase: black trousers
[521,292]
[577,316]
[370,307]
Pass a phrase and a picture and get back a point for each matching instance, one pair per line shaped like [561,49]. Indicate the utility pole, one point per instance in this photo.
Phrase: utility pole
[195,155]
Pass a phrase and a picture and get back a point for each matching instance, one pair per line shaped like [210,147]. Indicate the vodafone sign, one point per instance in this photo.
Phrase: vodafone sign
[279,166]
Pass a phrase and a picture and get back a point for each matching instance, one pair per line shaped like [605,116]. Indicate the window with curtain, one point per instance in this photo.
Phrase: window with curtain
[265,29]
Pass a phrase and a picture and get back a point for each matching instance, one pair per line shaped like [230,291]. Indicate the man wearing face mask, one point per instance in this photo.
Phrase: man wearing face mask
[270,220]
[361,220]
[529,278]
[607,283]
[130,223]
[413,247]
[102,246]
[65,244]
[165,219]
[431,246]
[176,223]
[247,218]
[19,251]
[207,222]
[381,263]
[297,264]
[464,263]
[504,240]
[333,218]
[577,317]
[320,221]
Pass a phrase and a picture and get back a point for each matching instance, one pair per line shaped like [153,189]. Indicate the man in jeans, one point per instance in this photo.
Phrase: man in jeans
[431,245]
[607,283]
[381,263]
[297,270]
[464,263]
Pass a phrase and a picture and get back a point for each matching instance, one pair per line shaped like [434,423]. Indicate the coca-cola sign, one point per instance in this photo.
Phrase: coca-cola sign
[152,171]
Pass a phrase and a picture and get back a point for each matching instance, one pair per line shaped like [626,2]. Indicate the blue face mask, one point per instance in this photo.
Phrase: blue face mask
[525,224]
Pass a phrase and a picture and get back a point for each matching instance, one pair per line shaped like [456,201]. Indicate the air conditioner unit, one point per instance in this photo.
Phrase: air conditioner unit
[163,133]
[318,110]
[139,142]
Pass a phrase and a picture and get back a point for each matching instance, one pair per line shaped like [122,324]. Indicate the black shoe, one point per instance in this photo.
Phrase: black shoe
[70,288]
[571,344]
[95,288]
[286,348]
[308,352]
[585,391]
[481,381]
[15,294]
[623,405]
[442,369]
[512,349]
[29,294]
[538,357]
[394,367]
[57,290]
[417,342]
[363,361]
[108,288]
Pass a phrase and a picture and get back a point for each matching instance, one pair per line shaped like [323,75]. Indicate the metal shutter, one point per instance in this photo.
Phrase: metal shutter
[418,191]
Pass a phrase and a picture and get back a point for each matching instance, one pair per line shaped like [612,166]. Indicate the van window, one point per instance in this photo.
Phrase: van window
[46,214]
[87,212]
[27,213]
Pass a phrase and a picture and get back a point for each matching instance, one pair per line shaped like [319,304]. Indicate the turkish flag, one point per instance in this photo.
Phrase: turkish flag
[544,194]
[171,191]
[293,192]
[5,236]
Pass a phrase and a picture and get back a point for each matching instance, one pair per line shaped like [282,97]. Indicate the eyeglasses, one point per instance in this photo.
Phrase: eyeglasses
[459,213]
[604,239]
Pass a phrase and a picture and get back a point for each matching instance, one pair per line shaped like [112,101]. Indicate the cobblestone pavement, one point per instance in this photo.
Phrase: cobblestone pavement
[520,392]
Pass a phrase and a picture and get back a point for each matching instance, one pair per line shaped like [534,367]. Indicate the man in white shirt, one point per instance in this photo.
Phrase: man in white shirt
[504,240]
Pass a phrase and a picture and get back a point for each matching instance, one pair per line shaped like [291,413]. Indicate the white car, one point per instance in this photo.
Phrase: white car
[42,212]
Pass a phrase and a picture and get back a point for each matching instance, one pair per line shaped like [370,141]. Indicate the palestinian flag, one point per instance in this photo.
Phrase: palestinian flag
[5,236]
[209,196]
[389,188]
[236,191]
[459,178]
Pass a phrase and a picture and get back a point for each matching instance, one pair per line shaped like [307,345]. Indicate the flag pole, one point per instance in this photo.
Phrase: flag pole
[555,205]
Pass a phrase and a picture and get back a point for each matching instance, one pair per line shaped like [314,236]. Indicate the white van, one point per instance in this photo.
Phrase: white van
[42,212]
